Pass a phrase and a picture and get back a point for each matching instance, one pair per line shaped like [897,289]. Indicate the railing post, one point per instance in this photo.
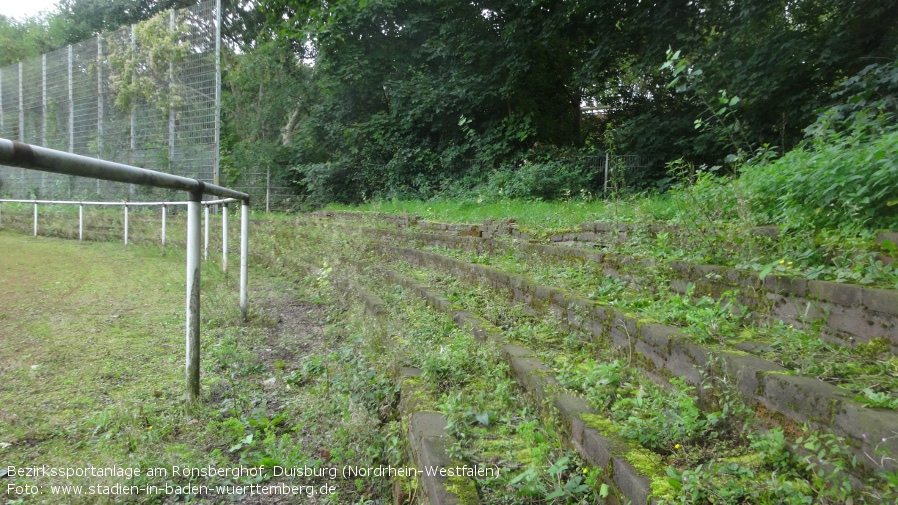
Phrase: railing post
[224,238]
[35,219]
[244,250]
[81,222]
[192,363]
[126,224]
[164,212]
[206,236]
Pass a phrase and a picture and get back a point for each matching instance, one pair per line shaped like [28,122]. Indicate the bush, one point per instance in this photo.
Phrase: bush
[546,180]
[839,180]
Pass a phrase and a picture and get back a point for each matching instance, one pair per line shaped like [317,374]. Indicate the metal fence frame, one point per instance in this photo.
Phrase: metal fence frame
[111,98]
[27,156]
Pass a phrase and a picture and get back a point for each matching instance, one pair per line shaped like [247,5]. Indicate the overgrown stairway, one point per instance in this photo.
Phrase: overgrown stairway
[672,381]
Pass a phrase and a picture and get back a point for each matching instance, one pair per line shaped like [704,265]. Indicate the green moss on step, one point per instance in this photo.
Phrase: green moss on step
[464,489]
[416,390]
[602,424]
[647,463]
[650,465]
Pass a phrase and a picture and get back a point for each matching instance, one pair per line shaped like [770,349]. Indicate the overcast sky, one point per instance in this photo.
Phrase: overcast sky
[21,9]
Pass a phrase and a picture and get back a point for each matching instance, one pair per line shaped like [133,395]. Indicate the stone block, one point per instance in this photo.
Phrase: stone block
[598,447]
[572,409]
[748,371]
[587,237]
[803,399]
[881,300]
[835,292]
[629,482]
[786,285]
[685,359]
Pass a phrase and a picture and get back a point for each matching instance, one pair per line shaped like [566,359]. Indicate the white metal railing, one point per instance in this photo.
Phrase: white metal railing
[129,205]
[48,160]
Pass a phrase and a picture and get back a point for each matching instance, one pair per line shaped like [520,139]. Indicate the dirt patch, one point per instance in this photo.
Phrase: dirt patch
[298,326]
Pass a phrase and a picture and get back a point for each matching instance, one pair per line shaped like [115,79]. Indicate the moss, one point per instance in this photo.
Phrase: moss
[514,448]
[750,460]
[600,423]
[647,463]
[652,467]
[464,489]
[415,390]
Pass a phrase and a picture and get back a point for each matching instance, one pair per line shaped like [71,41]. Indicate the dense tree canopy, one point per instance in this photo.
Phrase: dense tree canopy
[357,98]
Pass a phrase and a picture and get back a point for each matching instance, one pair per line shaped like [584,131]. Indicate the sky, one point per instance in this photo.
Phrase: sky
[21,9]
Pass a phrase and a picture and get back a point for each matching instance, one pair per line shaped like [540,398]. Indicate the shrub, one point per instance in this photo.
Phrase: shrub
[839,180]
[547,180]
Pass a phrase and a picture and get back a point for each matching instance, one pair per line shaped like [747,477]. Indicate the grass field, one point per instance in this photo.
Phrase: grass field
[92,360]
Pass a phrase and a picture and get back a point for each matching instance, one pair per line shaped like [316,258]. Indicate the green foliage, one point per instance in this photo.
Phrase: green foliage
[20,40]
[552,179]
[140,73]
[266,93]
[840,181]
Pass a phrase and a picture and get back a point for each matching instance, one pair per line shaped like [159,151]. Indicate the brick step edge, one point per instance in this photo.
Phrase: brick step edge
[823,406]
[849,311]
[425,431]
[605,451]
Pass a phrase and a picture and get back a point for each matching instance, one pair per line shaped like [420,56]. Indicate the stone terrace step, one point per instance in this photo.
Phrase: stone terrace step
[851,313]
[604,451]
[800,399]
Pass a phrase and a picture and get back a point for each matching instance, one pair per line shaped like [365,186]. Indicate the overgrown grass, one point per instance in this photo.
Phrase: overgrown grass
[867,371]
[528,214]
[711,451]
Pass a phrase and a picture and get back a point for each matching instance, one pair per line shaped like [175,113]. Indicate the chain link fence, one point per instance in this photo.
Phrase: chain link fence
[268,190]
[146,95]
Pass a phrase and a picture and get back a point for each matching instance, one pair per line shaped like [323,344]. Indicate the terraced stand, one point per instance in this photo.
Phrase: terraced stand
[800,399]
[426,430]
[854,312]
[850,313]
[606,452]
[663,352]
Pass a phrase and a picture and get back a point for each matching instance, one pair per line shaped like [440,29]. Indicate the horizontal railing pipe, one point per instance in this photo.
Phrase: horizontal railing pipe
[114,204]
[23,155]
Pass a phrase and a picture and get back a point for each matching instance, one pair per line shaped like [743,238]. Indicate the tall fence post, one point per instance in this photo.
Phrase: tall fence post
[217,133]
[224,238]
[71,106]
[171,96]
[2,122]
[81,222]
[101,132]
[35,219]
[206,236]
[192,361]
[21,108]
[268,190]
[44,100]
[43,118]
[164,212]
[607,160]
[22,117]
[126,224]
[244,251]
[133,134]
